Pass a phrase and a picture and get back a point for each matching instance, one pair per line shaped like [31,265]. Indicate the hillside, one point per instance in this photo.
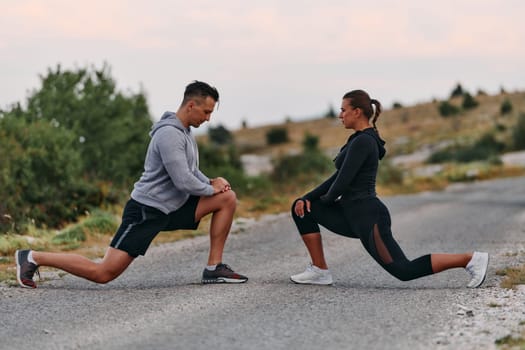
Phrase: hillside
[405,129]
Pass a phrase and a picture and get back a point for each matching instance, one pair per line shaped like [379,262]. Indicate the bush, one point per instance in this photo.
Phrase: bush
[469,102]
[310,142]
[331,113]
[518,134]
[41,174]
[220,135]
[242,184]
[506,107]
[302,168]
[388,173]
[487,147]
[225,162]
[447,109]
[213,156]
[457,91]
[276,136]
[113,126]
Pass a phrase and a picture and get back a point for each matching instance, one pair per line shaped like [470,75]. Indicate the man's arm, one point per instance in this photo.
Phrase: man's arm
[171,144]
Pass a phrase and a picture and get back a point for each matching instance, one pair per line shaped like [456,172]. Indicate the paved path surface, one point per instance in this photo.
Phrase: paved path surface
[159,304]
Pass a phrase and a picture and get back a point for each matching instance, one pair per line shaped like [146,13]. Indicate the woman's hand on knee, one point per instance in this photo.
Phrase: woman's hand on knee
[300,205]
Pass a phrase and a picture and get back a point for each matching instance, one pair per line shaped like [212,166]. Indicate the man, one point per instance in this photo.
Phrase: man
[171,194]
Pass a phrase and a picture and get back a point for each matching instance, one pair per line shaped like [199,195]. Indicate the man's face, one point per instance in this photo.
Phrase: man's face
[200,110]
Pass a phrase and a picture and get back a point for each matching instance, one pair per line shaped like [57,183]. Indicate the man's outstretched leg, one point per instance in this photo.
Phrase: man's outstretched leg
[222,207]
[112,265]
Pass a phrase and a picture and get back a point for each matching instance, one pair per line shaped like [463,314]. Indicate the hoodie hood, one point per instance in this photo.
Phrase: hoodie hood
[167,119]
[380,142]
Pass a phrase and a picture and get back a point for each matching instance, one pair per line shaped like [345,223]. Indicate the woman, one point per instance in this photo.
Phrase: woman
[346,204]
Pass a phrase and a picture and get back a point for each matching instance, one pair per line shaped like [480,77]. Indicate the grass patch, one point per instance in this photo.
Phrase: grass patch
[493,304]
[71,235]
[97,223]
[510,341]
[513,276]
[100,223]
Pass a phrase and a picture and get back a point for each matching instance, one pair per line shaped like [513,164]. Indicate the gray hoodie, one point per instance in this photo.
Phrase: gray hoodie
[171,169]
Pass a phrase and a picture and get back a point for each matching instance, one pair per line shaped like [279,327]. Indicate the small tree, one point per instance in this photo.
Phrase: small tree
[310,142]
[220,135]
[446,109]
[41,175]
[113,126]
[469,102]
[518,135]
[397,105]
[276,135]
[506,107]
[457,91]
[331,112]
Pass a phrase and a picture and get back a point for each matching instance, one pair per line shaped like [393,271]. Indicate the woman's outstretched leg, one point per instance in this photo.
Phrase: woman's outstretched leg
[386,251]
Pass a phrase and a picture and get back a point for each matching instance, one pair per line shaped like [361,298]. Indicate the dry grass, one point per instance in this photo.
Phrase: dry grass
[512,276]
[405,129]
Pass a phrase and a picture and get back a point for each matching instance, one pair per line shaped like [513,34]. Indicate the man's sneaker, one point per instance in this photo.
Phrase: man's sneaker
[313,275]
[25,270]
[222,274]
[477,268]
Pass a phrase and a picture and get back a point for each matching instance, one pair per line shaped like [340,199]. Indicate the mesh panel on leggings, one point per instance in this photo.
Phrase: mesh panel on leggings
[381,248]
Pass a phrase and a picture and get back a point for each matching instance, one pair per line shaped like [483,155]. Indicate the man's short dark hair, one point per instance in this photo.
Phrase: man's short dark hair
[200,89]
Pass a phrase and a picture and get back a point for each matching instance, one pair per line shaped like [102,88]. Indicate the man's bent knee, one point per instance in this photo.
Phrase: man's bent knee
[229,198]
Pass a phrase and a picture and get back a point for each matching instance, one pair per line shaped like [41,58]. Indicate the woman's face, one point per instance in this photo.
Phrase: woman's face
[348,114]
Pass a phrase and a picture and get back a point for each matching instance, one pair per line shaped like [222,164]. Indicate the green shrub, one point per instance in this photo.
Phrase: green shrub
[487,147]
[100,223]
[302,167]
[457,91]
[74,234]
[41,174]
[447,109]
[388,173]
[111,128]
[505,107]
[276,136]
[241,183]
[310,142]
[211,156]
[518,133]
[220,135]
[469,102]
[225,162]
[331,113]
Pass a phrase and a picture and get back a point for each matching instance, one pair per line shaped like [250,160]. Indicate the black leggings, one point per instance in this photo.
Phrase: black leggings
[369,220]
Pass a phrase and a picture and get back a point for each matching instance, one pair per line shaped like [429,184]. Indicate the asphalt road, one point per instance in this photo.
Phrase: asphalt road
[159,304]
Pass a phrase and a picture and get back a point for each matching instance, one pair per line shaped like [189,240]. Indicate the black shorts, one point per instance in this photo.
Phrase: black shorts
[141,223]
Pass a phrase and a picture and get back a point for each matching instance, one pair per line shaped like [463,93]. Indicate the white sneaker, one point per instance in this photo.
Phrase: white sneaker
[477,268]
[313,275]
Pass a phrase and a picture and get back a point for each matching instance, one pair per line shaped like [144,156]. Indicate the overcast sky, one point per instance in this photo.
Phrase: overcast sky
[269,59]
